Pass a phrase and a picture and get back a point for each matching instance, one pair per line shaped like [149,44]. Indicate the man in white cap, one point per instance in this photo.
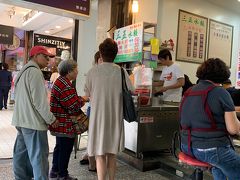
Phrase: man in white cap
[31,117]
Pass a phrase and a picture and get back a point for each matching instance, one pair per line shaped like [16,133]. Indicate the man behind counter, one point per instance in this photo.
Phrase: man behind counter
[171,79]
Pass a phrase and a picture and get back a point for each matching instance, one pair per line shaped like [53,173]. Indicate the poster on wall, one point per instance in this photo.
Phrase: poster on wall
[192,35]
[220,41]
[129,41]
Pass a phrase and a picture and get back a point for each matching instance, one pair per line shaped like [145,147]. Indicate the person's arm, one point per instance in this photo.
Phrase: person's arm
[180,82]
[237,108]
[39,96]
[232,123]
[71,101]
[159,83]
[10,78]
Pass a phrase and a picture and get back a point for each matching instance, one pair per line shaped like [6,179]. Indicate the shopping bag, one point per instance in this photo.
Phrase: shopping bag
[129,112]
[80,123]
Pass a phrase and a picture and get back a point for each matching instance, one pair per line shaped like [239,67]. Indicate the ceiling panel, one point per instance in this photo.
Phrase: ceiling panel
[39,25]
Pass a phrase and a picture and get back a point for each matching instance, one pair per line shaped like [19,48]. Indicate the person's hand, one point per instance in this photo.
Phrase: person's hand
[162,89]
[75,117]
[85,98]
[55,124]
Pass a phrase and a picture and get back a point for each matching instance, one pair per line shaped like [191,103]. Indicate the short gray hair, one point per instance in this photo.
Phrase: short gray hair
[66,67]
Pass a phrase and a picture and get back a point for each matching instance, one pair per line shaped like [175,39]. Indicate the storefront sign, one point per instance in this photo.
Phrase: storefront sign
[6,34]
[75,6]
[55,42]
[129,40]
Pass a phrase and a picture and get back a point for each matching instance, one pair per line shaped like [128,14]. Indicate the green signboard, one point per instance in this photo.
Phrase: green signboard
[129,40]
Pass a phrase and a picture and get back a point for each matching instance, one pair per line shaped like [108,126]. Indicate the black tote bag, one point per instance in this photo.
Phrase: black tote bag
[129,112]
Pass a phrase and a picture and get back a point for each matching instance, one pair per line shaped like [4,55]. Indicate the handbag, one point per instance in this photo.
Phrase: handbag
[129,112]
[80,123]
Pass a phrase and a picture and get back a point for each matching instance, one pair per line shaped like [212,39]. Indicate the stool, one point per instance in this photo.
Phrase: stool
[77,143]
[198,166]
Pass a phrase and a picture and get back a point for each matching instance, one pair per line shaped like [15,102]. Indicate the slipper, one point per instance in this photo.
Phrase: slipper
[84,162]
[93,170]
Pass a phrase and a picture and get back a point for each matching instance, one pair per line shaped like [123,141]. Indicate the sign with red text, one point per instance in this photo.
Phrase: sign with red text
[130,42]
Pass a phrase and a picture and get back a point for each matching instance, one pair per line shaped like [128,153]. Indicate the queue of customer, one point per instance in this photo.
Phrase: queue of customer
[106,128]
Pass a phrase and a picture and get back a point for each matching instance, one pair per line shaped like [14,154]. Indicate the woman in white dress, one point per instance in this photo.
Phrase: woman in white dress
[106,133]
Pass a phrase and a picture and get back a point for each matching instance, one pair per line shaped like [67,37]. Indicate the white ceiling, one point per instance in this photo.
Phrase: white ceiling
[232,5]
[39,25]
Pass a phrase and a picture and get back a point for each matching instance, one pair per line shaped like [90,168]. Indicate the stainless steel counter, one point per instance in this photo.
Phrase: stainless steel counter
[153,129]
[163,107]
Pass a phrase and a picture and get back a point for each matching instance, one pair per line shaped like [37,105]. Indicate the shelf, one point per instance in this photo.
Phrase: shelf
[146,43]
[159,70]
[148,25]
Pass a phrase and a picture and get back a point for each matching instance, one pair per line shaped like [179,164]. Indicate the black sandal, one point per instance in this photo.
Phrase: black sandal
[93,170]
[84,162]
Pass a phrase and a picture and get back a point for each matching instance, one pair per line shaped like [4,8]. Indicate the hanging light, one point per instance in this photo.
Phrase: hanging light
[33,14]
[11,12]
[135,6]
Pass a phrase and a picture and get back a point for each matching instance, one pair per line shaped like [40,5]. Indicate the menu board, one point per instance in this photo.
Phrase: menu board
[130,42]
[220,41]
[192,35]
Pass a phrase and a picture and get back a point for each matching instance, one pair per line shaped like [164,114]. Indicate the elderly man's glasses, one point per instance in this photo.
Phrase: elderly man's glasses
[46,57]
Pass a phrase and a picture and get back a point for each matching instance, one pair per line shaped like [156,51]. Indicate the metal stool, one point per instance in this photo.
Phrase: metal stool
[198,166]
[187,160]
[77,143]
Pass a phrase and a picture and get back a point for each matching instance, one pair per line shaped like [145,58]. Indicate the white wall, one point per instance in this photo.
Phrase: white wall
[148,11]
[104,18]
[86,46]
[167,20]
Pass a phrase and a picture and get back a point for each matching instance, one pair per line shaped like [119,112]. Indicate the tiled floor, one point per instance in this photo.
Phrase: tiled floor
[124,171]
[7,138]
[8,134]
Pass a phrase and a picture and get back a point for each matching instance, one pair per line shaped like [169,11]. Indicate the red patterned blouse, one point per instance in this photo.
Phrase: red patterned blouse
[64,102]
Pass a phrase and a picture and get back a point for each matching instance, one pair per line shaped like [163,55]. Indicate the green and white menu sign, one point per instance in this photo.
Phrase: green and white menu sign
[130,42]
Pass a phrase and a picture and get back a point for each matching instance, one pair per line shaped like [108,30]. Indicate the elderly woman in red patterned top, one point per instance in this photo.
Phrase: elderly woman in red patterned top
[64,103]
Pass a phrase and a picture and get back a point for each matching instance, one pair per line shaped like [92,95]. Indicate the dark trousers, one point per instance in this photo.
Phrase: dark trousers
[3,96]
[61,155]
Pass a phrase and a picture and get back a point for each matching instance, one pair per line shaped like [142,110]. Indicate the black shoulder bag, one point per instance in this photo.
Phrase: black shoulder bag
[129,112]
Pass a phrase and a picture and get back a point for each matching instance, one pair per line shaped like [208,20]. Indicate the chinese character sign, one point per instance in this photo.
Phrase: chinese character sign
[192,35]
[220,41]
[75,6]
[129,40]
[6,34]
